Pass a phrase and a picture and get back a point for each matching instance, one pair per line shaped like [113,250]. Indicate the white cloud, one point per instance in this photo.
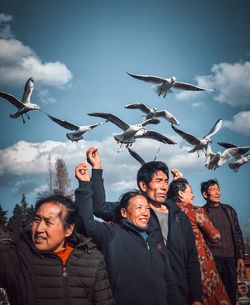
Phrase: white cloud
[18,62]
[26,160]
[5,18]
[240,123]
[23,187]
[45,98]
[232,83]
[5,30]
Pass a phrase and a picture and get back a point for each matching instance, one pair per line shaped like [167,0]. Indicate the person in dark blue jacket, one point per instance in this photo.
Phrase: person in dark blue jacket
[138,268]
[166,219]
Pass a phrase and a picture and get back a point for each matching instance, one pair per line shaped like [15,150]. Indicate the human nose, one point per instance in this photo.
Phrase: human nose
[164,186]
[40,226]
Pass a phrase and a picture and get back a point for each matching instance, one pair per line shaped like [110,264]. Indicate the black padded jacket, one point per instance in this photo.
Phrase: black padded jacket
[32,277]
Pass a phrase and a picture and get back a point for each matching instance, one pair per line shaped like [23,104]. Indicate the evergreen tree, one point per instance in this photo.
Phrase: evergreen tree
[22,217]
[15,223]
[3,222]
[3,218]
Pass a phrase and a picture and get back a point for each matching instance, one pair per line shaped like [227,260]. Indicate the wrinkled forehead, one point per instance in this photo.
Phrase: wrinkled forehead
[51,210]
[159,175]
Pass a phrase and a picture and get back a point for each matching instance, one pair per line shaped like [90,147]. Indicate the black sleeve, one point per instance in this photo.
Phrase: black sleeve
[101,207]
[239,237]
[102,291]
[101,232]
[192,263]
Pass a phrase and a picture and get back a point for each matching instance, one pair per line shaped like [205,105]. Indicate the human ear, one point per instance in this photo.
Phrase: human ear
[204,194]
[180,195]
[69,230]
[123,212]
[143,186]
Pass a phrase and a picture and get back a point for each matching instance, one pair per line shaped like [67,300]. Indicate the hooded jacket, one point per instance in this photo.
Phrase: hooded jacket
[33,277]
[181,248]
[138,270]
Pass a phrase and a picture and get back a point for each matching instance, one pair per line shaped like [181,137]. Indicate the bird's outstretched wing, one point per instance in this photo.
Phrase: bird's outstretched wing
[227,145]
[215,128]
[12,99]
[64,124]
[112,118]
[150,121]
[95,125]
[167,115]
[28,88]
[148,78]
[136,156]
[186,136]
[139,106]
[189,87]
[150,134]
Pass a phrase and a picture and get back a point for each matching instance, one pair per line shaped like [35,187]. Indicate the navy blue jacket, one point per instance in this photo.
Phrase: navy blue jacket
[181,248]
[139,270]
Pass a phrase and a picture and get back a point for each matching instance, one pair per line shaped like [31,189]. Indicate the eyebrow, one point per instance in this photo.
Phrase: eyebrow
[50,219]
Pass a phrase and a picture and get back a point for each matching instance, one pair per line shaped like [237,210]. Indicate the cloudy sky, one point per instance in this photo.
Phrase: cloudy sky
[78,53]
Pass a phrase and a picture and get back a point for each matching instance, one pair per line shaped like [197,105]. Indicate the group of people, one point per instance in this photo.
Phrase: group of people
[154,246]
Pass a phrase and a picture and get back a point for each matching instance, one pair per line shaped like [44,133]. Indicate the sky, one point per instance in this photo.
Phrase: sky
[78,53]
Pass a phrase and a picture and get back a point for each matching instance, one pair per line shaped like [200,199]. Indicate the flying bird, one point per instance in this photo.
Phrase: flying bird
[153,112]
[78,130]
[237,164]
[240,158]
[215,160]
[132,132]
[25,105]
[199,144]
[138,158]
[164,85]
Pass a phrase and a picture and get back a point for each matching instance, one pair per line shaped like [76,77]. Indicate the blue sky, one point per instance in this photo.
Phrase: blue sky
[78,53]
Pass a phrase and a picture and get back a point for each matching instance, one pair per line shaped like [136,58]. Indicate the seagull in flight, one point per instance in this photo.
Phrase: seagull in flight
[78,130]
[164,85]
[153,112]
[25,105]
[138,158]
[240,158]
[132,132]
[199,144]
[215,160]
[238,163]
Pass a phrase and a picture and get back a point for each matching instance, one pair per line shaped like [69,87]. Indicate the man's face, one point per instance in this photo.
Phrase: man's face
[48,232]
[157,188]
[213,194]
[138,211]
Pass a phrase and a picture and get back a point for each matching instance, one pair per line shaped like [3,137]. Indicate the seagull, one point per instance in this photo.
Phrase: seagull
[215,160]
[164,85]
[132,132]
[199,144]
[240,158]
[237,164]
[78,130]
[153,113]
[25,105]
[138,158]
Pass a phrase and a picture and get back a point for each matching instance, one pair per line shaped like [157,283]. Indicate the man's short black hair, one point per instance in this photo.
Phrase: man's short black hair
[206,184]
[147,171]
[70,217]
